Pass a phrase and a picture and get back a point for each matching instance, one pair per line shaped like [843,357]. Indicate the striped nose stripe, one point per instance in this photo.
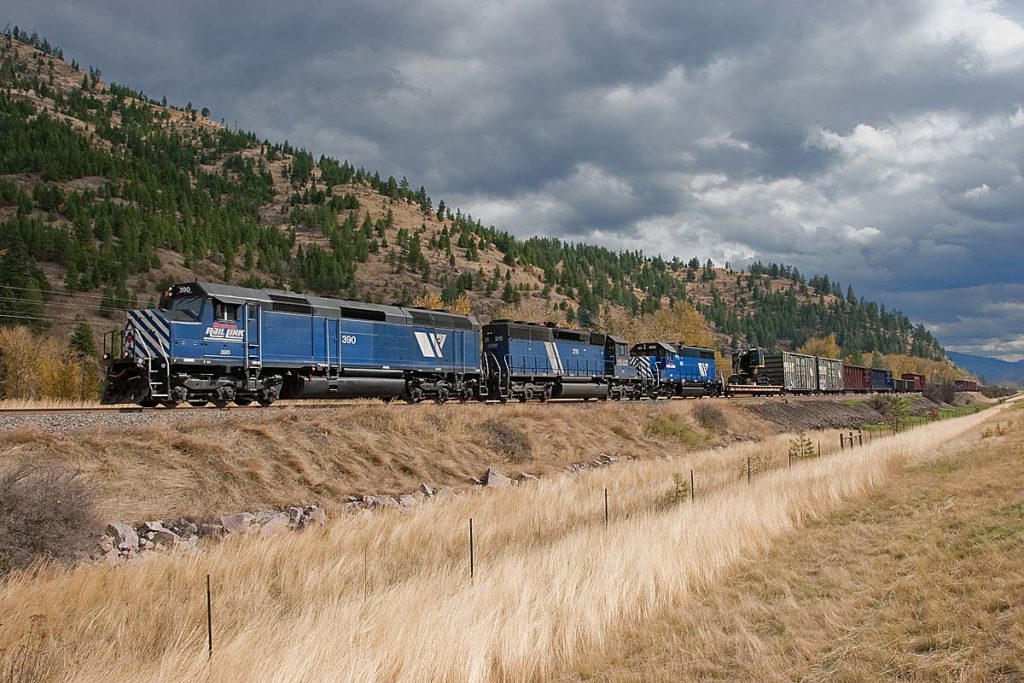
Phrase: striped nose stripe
[148,334]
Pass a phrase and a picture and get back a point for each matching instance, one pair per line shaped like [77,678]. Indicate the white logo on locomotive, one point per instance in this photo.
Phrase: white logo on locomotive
[431,344]
[224,333]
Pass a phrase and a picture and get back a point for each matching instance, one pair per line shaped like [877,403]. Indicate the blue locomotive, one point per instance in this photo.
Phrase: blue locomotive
[523,361]
[217,343]
[676,369]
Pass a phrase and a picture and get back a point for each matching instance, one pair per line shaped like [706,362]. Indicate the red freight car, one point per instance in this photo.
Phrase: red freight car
[856,378]
[919,380]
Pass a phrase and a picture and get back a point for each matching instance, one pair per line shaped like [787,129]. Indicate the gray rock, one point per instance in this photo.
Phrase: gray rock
[317,516]
[495,479]
[407,501]
[275,525]
[151,526]
[163,538]
[124,536]
[106,544]
[526,476]
[191,543]
[295,515]
[426,490]
[264,516]
[238,523]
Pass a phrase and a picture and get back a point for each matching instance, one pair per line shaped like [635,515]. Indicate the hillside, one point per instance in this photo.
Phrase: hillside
[992,370]
[108,195]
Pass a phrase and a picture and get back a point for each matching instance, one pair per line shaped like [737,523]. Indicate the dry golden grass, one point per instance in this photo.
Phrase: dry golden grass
[923,580]
[552,583]
[248,459]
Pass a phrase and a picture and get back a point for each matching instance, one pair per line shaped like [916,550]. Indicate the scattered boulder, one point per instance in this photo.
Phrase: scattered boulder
[124,536]
[106,544]
[163,538]
[317,516]
[407,501]
[526,476]
[295,515]
[495,479]
[426,490]
[238,523]
[275,524]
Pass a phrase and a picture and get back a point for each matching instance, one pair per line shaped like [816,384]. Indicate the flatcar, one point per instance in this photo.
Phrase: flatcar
[216,343]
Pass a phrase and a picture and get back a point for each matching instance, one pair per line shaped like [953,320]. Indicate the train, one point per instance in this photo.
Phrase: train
[213,343]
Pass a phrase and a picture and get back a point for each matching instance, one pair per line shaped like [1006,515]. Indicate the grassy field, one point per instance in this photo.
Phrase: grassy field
[556,590]
[921,580]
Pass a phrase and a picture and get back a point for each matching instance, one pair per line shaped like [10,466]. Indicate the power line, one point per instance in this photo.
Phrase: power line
[64,305]
[80,295]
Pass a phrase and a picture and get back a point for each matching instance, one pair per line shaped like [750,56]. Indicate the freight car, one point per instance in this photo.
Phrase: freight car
[676,369]
[965,385]
[918,380]
[856,378]
[830,375]
[525,361]
[881,380]
[217,343]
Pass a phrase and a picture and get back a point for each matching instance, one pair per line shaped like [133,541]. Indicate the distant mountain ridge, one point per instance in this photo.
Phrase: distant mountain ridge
[992,370]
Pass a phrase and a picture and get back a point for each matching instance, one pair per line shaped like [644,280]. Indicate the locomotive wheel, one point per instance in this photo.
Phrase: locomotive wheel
[442,396]
[220,403]
[170,404]
[243,401]
[148,403]
[198,403]
[265,401]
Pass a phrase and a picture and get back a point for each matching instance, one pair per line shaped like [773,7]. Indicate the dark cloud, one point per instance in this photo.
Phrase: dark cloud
[880,142]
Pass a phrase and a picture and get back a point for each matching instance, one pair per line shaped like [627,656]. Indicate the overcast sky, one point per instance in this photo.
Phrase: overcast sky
[880,142]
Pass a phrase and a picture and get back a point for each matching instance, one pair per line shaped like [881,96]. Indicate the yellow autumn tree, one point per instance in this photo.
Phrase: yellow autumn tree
[431,301]
[825,347]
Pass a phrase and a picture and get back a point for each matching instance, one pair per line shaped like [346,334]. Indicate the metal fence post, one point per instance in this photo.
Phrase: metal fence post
[209,619]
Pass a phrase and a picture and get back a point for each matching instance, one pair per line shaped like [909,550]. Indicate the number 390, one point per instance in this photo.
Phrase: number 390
[348,339]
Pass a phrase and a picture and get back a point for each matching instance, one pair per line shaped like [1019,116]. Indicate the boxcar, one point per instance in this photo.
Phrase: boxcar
[918,380]
[795,372]
[881,380]
[830,375]
[856,378]
[965,385]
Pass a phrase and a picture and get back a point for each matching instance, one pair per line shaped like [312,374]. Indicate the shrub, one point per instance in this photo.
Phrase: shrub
[46,512]
[709,416]
[508,440]
[666,426]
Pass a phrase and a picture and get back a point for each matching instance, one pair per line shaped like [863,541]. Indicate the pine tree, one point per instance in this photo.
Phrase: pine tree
[82,343]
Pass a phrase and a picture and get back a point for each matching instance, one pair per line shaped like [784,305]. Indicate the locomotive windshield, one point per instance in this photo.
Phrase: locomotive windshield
[193,305]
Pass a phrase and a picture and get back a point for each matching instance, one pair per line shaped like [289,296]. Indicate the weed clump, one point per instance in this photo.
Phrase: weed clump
[709,416]
[666,426]
[508,440]
[46,512]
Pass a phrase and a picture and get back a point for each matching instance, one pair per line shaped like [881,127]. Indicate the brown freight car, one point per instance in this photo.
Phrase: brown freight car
[856,378]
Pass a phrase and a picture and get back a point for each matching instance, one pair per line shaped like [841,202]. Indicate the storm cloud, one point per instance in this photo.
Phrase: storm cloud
[880,142]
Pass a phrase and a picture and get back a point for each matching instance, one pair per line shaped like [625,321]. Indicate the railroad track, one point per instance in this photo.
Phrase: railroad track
[71,410]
